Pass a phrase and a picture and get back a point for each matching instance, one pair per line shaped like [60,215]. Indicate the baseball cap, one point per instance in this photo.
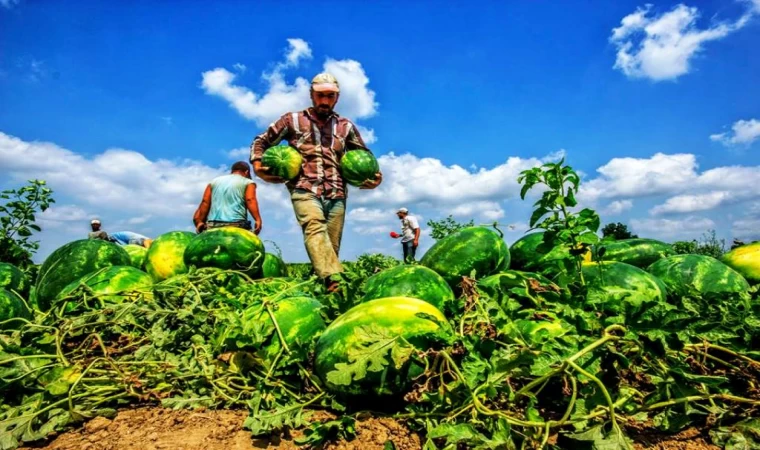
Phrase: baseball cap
[94,221]
[403,210]
[324,82]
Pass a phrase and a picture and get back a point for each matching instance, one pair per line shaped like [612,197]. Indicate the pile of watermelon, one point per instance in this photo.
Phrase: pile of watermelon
[471,293]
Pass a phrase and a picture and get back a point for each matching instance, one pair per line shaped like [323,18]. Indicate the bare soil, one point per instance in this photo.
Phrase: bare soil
[152,428]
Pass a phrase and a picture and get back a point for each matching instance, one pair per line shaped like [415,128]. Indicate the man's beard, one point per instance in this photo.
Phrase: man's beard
[323,111]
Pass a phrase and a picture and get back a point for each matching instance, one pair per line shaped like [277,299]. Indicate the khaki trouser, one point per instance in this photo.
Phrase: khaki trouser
[321,220]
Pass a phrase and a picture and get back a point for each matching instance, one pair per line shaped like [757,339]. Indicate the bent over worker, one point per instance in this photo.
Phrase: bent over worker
[227,201]
[318,193]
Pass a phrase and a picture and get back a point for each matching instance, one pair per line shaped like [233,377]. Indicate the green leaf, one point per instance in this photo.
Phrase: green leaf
[594,439]
[368,354]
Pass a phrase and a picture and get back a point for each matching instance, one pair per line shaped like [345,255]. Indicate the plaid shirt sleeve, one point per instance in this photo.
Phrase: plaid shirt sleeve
[275,133]
[354,140]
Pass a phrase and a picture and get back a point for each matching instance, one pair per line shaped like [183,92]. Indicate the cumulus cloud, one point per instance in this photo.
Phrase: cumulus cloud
[357,100]
[240,153]
[117,179]
[743,132]
[444,186]
[692,203]
[669,228]
[637,177]
[488,210]
[56,216]
[618,206]
[662,47]
[364,215]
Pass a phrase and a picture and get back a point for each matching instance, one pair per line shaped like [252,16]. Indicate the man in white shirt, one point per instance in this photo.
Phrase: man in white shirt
[410,234]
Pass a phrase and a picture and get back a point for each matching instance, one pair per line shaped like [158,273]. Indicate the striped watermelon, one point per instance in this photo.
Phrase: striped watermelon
[12,307]
[273,266]
[620,288]
[409,281]
[377,324]
[684,274]
[639,252]
[525,255]
[72,261]
[358,166]
[300,322]
[13,279]
[283,161]
[478,249]
[226,248]
[517,289]
[165,255]
[137,255]
[745,260]
[114,284]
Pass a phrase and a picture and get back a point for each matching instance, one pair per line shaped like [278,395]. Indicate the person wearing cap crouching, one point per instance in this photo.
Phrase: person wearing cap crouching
[410,234]
[96,232]
[318,193]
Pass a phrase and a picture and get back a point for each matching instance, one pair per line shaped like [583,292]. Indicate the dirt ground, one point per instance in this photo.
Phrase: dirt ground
[153,428]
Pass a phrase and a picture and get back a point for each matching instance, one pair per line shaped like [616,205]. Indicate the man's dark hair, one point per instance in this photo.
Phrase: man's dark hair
[240,166]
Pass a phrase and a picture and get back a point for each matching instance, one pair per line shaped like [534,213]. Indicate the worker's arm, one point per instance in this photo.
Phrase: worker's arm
[253,206]
[275,133]
[355,141]
[417,236]
[201,214]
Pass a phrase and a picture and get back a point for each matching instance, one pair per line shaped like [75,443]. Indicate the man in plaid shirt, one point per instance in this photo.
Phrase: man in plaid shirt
[319,192]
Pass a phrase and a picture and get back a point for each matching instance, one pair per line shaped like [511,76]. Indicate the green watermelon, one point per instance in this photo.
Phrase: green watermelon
[472,248]
[518,289]
[12,307]
[620,288]
[358,166]
[378,322]
[683,274]
[283,161]
[164,258]
[524,255]
[300,322]
[114,284]
[409,281]
[136,255]
[72,261]
[13,279]
[745,260]
[639,252]
[273,266]
[226,248]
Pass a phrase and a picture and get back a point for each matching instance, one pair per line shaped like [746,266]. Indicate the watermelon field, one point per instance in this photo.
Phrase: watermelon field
[557,340]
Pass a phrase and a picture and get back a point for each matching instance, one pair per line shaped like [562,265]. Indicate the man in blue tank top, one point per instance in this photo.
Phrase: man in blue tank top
[227,201]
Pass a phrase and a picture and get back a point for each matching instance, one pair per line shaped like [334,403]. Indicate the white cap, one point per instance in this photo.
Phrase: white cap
[94,221]
[325,82]
[403,210]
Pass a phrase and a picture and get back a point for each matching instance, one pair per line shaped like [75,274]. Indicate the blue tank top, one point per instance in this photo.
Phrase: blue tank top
[228,198]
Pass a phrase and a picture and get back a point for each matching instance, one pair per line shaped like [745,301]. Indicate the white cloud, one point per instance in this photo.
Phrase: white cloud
[618,206]
[669,228]
[139,220]
[742,132]
[488,210]
[692,203]
[637,177]
[408,179]
[357,101]
[363,214]
[241,153]
[55,216]
[368,134]
[240,68]
[662,47]
[118,179]
[747,228]
[373,229]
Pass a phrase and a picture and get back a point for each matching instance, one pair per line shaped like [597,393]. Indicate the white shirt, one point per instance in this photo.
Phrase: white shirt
[408,225]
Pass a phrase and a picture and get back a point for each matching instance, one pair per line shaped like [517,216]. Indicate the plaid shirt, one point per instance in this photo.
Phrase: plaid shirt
[321,148]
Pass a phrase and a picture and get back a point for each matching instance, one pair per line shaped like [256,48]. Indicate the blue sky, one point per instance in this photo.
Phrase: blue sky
[128,111]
